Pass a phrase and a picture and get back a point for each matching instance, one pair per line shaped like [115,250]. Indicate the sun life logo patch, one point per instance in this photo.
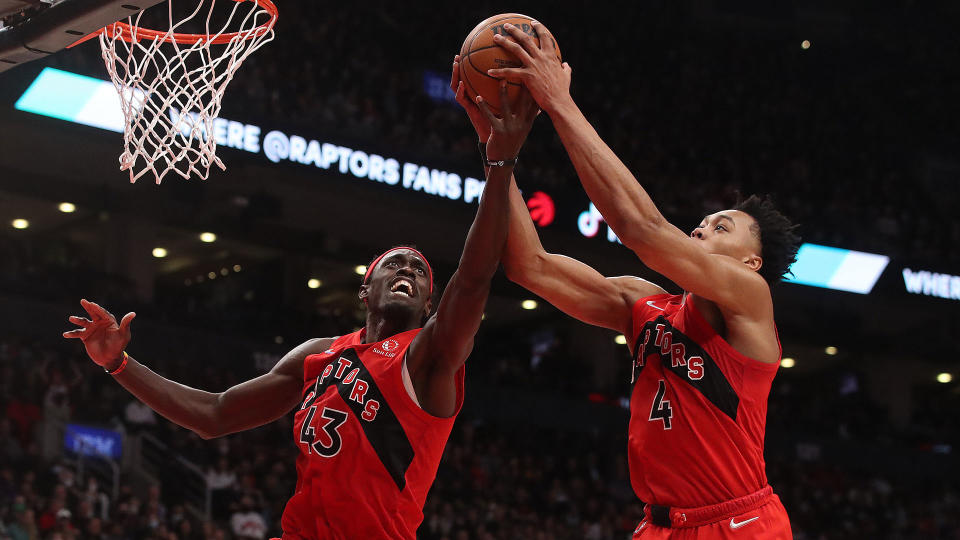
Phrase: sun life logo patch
[388,348]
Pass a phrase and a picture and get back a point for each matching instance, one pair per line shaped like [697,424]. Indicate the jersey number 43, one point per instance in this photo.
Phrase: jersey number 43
[308,434]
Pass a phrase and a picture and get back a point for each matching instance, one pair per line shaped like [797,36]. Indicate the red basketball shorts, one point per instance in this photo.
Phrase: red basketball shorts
[758,516]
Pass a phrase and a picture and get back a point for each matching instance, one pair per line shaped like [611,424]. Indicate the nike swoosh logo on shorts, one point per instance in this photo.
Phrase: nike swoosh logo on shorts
[651,304]
[735,525]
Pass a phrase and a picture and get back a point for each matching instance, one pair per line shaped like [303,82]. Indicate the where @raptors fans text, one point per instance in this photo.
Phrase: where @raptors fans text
[278,146]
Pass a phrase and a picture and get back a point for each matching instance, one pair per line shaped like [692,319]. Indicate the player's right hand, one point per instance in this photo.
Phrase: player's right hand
[479,121]
[508,133]
[103,338]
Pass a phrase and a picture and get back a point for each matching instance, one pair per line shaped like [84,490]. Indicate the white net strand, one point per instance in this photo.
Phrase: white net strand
[170,93]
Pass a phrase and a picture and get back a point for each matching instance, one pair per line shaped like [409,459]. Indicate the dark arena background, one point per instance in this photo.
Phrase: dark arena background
[846,112]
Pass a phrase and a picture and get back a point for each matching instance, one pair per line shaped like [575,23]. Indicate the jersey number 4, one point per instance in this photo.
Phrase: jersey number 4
[661,409]
[308,436]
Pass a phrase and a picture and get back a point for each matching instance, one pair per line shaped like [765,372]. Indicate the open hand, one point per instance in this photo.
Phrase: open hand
[507,134]
[480,123]
[542,73]
[103,338]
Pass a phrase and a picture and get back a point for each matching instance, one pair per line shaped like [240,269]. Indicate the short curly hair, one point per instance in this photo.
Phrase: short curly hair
[778,240]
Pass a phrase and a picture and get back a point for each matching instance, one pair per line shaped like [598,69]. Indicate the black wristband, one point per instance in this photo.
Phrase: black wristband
[493,162]
[501,162]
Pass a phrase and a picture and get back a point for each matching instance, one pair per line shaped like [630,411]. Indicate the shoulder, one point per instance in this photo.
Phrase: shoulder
[292,362]
[312,346]
[648,308]
[632,288]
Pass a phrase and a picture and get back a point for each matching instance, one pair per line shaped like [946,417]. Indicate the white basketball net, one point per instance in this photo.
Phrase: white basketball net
[170,92]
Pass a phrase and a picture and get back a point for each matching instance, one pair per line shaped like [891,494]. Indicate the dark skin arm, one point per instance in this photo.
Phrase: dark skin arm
[441,348]
[247,405]
[739,292]
[570,285]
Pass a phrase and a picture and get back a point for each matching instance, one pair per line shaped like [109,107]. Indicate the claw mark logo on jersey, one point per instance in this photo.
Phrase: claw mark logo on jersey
[683,356]
[322,420]
[669,349]
[387,348]
[348,382]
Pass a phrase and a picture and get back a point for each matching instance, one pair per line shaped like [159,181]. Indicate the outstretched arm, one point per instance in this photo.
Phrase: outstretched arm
[625,205]
[439,351]
[244,406]
[570,285]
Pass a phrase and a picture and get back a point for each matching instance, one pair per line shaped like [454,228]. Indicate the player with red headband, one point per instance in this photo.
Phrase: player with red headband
[373,408]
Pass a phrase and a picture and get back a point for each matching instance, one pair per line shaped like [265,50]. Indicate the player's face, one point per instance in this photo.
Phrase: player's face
[400,280]
[728,233]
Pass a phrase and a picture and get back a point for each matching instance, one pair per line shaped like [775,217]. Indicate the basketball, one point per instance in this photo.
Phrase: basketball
[479,53]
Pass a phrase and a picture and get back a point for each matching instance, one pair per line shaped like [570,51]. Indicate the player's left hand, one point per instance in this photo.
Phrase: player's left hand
[542,73]
[101,334]
[507,134]
[480,123]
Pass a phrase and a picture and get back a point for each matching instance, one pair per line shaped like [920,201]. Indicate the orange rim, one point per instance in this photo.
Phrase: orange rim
[126,31]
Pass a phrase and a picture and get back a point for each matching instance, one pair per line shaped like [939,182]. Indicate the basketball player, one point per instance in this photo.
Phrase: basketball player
[703,361]
[373,408]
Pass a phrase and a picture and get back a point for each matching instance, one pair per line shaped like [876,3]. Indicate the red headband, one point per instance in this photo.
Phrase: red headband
[391,250]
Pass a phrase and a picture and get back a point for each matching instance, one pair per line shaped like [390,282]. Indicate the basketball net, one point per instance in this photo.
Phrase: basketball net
[171,85]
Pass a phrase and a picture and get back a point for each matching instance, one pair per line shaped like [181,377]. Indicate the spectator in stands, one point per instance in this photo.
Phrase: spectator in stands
[97,500]
[56,415]
[23,413]
[246,522]
[25,526]
[64,525]
[221,481]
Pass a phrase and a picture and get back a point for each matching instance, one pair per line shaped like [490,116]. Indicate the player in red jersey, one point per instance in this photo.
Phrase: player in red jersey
[703,362]
[373,408]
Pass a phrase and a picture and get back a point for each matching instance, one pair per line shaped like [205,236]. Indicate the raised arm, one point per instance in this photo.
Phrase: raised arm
[439,351]
[625,205]
[244,406]
[570,285]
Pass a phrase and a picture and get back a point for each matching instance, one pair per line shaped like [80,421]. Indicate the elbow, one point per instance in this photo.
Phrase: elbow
[211,425]
[511,270]
[205,435]
[639,234]
[208,432]
[522,270]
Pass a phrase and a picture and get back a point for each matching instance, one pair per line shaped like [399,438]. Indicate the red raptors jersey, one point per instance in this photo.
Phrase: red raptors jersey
[698,409]
[368,453]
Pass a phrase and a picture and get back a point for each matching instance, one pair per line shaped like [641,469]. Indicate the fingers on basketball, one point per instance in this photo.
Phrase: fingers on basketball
[530,107]
[505,104]
[532,47]
[485,109]
[547,43]
[523,40]
[461,96]
[507,73]
[455,73]
[513,47]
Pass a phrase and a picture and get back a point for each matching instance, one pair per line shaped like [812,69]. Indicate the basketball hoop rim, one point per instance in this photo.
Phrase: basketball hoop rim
[127,32]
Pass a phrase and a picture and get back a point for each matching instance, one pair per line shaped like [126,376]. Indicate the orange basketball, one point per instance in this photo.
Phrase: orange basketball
[479,53]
